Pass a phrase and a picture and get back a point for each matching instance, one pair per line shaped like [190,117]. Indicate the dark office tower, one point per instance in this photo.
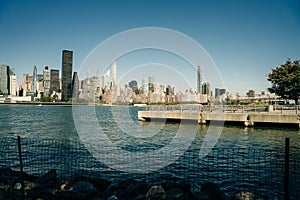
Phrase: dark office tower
[54,80]
[219,92]
[67,61]
[206,88]
[75,85]
[199,79]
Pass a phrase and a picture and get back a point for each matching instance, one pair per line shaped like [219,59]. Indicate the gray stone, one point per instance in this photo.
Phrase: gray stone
[213,191]
[49,176]
[113,197]
[156,193]
[248,196]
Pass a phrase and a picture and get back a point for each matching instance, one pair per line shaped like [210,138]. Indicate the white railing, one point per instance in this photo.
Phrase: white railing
[278,109]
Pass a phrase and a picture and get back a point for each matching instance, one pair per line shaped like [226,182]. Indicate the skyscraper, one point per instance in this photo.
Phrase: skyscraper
[151,82]
[105,80]
[75,86]
[67,62]
[4,81]
[46,81]
[13,85]
[54,80]
[114,74]
[206,88]
[34,81]
[199,79]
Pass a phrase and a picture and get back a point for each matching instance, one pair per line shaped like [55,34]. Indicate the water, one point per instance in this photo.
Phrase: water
[243,159]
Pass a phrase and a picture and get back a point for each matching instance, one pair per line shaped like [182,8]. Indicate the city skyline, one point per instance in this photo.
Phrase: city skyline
[245,39]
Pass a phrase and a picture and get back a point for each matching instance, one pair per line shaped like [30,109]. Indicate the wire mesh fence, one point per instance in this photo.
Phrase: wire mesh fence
[260,171]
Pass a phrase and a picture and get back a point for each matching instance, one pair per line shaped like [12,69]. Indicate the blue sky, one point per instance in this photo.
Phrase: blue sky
[245,39]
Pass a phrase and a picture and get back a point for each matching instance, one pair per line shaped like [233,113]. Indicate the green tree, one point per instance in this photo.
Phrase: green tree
[285,80]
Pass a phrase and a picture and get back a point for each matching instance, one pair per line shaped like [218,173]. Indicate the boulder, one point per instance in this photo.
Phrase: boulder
[49,176]
[213,191]
[156,193]
[248,196]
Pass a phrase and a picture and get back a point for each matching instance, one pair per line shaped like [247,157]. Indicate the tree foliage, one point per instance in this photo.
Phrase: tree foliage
[285,80]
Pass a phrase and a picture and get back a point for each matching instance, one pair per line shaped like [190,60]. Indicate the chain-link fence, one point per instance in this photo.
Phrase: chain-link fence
[260,171]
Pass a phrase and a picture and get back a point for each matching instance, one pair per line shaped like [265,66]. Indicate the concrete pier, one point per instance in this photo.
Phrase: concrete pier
[248,117]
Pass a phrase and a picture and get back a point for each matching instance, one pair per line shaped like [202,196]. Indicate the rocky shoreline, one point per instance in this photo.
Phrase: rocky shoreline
[16,185]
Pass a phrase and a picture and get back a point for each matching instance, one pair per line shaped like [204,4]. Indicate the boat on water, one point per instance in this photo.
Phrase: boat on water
[139,104]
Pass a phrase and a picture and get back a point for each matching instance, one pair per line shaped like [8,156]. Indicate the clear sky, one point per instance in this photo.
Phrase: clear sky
[245,38]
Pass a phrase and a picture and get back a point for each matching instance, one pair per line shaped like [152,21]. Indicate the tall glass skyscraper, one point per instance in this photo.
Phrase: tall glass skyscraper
[35,81]
[199,79]
[67,62]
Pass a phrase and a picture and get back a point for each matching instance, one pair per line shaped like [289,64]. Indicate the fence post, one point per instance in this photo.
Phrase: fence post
[287,169]
[21,167]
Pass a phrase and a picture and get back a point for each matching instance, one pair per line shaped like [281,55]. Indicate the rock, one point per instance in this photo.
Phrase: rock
[213,191]
[106,194]
[124,184]
[174,193]
[183,185]
[17,186]
[69,195]
[88,183]
[248,196]
[29,185]
[156,193]
[138,188]
[186,196]
[49,176]
[82,186]
[113,197]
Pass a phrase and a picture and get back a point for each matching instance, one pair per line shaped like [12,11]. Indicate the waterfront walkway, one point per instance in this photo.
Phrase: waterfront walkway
[248,115]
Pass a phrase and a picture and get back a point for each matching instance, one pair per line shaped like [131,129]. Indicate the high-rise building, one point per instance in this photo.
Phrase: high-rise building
[199,80]
[114,74]
[34,81]
[105,79]
[67,62]
[75,86]
[54,81]
[5,73]
[46,81]
[13,85]
[206,88]
[26,84]
[251,93]
[4,80]
[219,92]
[151,82]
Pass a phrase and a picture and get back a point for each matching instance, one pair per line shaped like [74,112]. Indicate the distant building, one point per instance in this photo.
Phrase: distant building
[34,81]
[105,80]
[75,86]
[26,84]
[67,63]
[151,82]
[251,93]
[13,85]
[5,73]
[46,81]
[206,88]
[114,74]
[199,80]
[54,81]
[219,92]
[134,87]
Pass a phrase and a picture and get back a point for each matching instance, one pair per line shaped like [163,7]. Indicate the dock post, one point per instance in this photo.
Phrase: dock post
[287,169]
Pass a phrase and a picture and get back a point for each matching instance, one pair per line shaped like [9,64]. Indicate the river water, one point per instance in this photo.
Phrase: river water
[112,141]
